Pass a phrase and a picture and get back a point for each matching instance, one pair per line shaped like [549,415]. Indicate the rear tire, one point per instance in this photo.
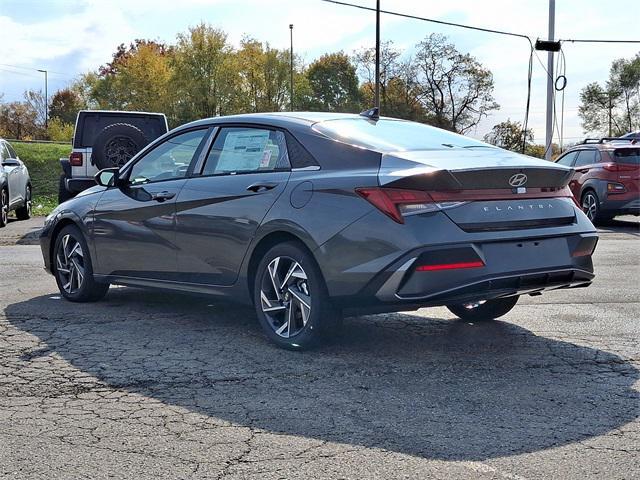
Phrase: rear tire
[590,204]
[24,212]
[489,310]
[63,193]
[4,207]
[73,269]
[291,299]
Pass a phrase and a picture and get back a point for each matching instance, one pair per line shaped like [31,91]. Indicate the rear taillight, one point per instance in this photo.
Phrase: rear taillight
[75,159]
[619,167]
[398,203]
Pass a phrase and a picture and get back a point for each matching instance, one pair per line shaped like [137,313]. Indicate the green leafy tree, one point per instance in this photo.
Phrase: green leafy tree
[509,135]
[19,120]
[334,84]
[60,131]
[204,74]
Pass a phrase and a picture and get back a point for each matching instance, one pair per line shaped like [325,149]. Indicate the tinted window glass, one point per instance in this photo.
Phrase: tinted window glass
[12,152]
[587,157]
[4,154]
[567,160]
[627,155]
[392,135]
[168,160]
[241,150]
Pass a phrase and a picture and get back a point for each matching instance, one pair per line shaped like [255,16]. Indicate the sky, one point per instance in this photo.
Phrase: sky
[69,37]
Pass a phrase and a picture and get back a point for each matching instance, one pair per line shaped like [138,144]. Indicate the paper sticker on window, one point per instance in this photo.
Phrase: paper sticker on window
[243,150]
[266,159]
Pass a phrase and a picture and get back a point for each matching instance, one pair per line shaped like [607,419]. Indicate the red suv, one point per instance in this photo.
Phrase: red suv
[606,181]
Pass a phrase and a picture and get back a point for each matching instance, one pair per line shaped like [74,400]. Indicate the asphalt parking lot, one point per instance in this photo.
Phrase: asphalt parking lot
[149,385]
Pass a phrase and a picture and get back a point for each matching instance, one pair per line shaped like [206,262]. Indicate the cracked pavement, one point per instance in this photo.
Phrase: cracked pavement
[155,385]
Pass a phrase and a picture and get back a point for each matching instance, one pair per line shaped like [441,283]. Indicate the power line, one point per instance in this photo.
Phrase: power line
[31,69]
[599,41]
[432,20]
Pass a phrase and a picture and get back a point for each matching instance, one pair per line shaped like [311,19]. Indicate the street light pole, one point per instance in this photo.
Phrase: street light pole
[46,99]
[377,94]
[550,84]
[291,69]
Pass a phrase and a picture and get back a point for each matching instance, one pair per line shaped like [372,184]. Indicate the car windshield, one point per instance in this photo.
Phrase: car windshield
[387,135]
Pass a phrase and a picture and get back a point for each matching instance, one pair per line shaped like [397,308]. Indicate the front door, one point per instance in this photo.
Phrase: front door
[222,205]
[134,223]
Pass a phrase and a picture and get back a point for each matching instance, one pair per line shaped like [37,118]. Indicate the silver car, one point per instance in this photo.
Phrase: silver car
[15,185]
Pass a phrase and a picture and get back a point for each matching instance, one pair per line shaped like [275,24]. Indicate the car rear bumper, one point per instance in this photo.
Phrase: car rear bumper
[77,185]
[626,206]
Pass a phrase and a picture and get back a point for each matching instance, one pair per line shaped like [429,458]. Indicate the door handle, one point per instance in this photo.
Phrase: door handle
[257,187]
[582,170]
[162,196]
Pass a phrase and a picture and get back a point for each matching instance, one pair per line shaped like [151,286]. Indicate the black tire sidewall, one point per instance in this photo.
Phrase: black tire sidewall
[596,217]
[107,134]
[490,310]
[3,190]
[323,316]
[23,213]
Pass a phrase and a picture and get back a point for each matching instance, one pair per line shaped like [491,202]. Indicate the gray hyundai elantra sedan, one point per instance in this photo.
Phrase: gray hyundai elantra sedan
[313,216]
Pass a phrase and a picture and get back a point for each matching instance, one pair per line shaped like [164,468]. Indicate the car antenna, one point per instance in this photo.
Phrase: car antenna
[371,114]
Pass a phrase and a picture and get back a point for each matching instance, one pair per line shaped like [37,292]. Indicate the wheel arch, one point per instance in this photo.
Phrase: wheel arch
[267,241]
[57,228]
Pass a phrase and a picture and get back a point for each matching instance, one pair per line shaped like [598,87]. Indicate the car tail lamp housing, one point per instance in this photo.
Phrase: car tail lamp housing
[450,266]
[398,203]
[76,159]
[585,247]
[620,167]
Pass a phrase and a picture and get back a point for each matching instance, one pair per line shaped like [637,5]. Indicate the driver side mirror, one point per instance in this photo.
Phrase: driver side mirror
[107,177]
[10,162]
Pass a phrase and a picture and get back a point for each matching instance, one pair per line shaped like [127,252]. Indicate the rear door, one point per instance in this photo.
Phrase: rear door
[585,168]
[222,205]
[134,224]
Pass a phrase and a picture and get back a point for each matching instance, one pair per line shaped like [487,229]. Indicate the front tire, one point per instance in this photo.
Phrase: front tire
[487,310]
[24,212]
[73,269]
[291,299]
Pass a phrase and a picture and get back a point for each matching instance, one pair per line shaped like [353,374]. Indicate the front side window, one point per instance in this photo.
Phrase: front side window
[245,150]
[11,151]
[169,160]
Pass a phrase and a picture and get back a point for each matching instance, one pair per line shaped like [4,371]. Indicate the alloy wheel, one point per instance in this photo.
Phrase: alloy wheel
[285,297]
[70,264]
[590,206]
[120,150]
[4,207]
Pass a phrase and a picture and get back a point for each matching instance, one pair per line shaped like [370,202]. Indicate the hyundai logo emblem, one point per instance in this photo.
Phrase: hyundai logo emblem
[518,180]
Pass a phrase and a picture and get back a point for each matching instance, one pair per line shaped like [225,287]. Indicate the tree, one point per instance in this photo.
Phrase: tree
[509,135]
[19,120]
[334,84]
[37,103]
[263,74]
[136,79]
[613,108]
[398,87]
[65,105]
[456,90]
[203,74]
[60,131]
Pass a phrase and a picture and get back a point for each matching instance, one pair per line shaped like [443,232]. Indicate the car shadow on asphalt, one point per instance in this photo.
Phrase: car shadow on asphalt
[431,387]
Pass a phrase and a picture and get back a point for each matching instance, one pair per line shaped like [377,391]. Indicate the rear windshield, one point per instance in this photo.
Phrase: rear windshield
[90,124]
[627,155]
[388,135]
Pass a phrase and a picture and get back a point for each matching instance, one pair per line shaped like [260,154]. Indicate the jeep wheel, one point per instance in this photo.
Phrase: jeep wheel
[116,144]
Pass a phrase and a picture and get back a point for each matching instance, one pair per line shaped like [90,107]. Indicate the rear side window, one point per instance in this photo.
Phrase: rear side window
[627,156]
[12,152]
[245,150]
[587,157]
[568,159]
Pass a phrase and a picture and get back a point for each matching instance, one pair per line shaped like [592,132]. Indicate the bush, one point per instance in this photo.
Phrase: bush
[60,131]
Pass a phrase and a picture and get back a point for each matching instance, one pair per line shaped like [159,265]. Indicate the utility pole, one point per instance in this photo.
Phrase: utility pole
[377,95]
[550,82]
[291,68]
[46,99]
